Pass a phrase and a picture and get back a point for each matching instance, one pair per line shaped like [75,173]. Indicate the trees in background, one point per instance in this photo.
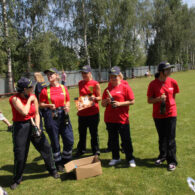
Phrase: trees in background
[68,34]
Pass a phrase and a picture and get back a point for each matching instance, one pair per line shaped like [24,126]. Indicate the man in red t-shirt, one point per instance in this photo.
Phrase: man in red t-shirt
[117,98]
[161,93]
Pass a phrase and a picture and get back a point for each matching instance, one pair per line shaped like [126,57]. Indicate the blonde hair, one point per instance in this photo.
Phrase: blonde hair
[121,75]
[39,77]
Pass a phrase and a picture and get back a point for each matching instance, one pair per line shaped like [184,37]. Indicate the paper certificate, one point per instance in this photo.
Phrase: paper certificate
[83,102]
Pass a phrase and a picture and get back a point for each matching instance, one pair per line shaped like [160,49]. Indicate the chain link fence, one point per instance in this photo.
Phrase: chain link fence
[73,77]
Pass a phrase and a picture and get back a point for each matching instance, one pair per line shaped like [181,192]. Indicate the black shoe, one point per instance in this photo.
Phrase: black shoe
[55,174]
[80,153]
[13,186]
[60,168]
[160,161]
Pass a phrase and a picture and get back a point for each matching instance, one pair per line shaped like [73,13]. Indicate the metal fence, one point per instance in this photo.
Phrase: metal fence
[73,77]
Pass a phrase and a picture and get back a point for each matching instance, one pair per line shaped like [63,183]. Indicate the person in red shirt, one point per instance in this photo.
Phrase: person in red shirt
[24,109]
[88,117]
[55,105]
[161,93]
[124,82]
[116,98]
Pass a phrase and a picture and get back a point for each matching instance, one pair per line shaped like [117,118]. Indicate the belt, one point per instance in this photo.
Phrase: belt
[27,121]
[58,108]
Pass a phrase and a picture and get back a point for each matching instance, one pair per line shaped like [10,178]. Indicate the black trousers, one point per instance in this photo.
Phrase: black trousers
[166,129]
[91,122]
[114,129]
[21,141]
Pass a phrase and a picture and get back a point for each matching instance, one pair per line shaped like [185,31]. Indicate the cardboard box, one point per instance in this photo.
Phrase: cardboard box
[85,167]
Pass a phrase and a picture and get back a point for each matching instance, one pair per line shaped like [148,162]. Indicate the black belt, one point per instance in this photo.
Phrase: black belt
[27,121]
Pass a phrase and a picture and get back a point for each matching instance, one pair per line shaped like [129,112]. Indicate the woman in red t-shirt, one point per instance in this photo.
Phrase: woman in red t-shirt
[25,109]
[55,104]
[88,117]
[161,93]
[116,98]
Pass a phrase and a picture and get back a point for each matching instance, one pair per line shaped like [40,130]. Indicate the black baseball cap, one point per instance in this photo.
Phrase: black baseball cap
[54,70]
[24,82]
[115,70]
[164,65]
[86,69]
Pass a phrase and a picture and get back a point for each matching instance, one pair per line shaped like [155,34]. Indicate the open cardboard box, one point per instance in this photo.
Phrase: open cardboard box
[85,167]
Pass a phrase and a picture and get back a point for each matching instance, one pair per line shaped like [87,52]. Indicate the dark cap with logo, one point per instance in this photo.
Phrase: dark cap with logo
[54,70]
[86,69]
[24,82]
[115,70]
[164,65]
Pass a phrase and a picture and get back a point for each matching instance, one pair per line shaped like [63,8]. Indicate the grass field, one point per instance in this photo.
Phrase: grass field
[144,179]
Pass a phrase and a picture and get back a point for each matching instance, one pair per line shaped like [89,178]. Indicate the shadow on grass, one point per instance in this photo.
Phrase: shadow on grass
[6,180]
[29,168]
[38,158]
[68,176]
[148,162]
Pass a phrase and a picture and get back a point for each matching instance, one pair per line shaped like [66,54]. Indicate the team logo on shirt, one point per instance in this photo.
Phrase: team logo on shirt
[170,88]
[118,92]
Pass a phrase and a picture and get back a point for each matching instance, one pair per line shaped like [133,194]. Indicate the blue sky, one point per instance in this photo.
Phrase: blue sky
[190,3]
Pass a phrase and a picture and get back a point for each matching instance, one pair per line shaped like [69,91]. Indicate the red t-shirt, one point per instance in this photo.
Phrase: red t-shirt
[120,93]
[18,116]
[170,87]
[86,88]
[56,94]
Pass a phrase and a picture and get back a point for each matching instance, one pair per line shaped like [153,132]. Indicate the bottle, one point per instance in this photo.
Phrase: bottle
[35,130]
[163,107]
[111,98]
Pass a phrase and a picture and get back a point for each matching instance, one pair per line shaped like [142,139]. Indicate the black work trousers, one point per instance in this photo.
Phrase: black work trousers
[91,122]
[166,129]
[21,141]
[114,129]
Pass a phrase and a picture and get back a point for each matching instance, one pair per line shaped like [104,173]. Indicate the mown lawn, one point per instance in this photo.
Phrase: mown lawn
[144,179]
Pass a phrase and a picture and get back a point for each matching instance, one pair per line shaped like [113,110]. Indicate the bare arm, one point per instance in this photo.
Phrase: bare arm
[152,100]
[21,108]
[126,103]
[98,93]
[44,105]
[37,117]
[67,106]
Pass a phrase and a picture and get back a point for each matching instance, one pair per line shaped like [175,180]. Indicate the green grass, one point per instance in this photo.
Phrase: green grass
[144,179]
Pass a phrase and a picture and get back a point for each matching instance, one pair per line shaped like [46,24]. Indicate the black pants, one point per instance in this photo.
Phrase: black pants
[91,122]
[21,140]
[166,128]
[114,129]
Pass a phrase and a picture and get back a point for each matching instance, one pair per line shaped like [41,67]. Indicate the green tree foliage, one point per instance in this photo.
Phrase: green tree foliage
[68,34]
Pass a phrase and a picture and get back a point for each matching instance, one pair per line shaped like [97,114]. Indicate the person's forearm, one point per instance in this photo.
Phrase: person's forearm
[127,103]
[37,120]
[44,105]
[98,98]
[26,108]
[153,100]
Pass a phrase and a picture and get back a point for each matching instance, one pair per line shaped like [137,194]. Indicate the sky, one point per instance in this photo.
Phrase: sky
[190,3]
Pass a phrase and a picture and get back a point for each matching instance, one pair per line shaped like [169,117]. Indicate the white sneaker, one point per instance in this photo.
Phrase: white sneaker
[132,163]
[114,162]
